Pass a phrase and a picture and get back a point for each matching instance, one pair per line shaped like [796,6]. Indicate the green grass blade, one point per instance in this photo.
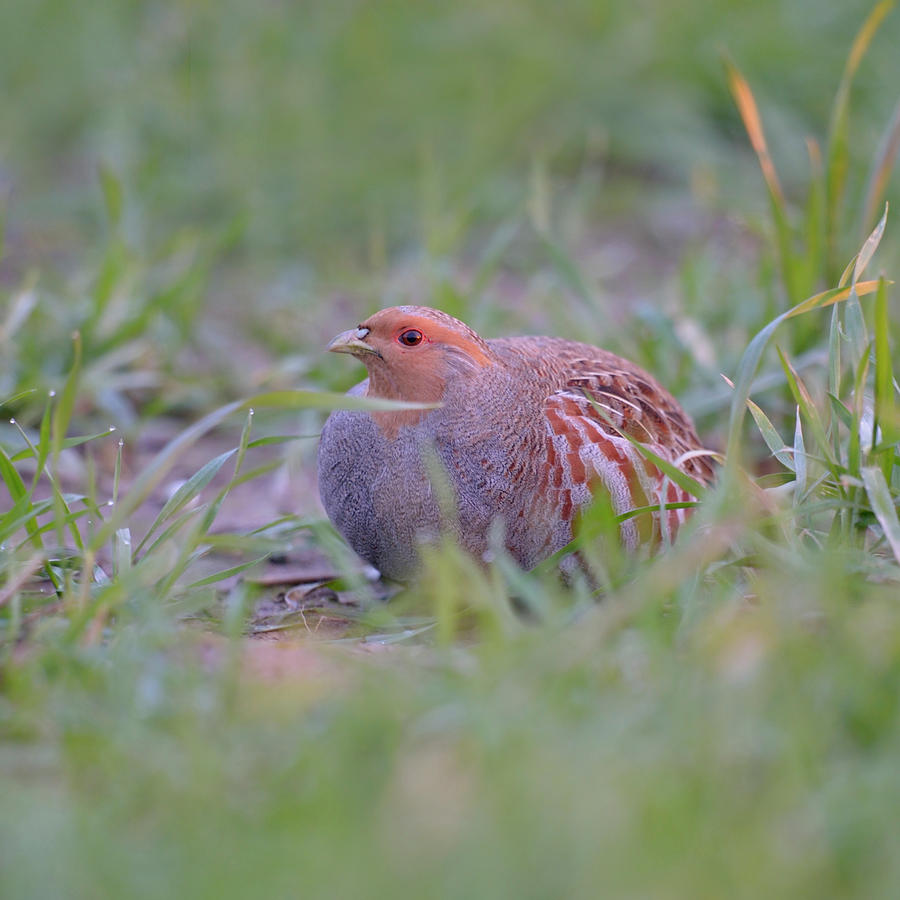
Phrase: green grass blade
[882,502]
[843,415]
[122,552]
[19,513]
[20,308]
[275,439]
[870,245]
[807,406]
[15,398]
[243,444]
[815,218]
[112,194]
[157,469]
[65,405]
[226,573]
[837,338]
[255,472]
[191,550]
[854,447]
[325,400]
[749,363]
[682,479]
[179,521]
[847,272]
[834,356]
[886,417]
[42,452]
[770,435]
[187,492]
[880,174]
[12,479]
[856,331]
[67,444]
[800,459]
[655,508]
[20,495]
[838,132]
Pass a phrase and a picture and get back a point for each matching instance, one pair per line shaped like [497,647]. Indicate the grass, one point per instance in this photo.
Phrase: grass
[722,722]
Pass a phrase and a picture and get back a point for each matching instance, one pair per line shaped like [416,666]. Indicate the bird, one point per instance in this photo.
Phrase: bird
[525,431]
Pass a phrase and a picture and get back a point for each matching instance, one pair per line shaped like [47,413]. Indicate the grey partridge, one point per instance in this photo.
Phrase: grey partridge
[528,430]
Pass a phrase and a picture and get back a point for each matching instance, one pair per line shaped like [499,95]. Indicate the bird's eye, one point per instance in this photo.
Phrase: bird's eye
[410,338]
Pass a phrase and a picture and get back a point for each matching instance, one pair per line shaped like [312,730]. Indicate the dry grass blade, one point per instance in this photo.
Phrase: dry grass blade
[861,42]
[791,274]
[829,298]
[746,104]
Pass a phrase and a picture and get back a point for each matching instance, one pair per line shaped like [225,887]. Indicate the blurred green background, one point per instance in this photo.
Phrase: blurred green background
[575,167]
[325,128]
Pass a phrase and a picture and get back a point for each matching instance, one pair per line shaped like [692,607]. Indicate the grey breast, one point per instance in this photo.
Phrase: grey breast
[381,495]
[376,492]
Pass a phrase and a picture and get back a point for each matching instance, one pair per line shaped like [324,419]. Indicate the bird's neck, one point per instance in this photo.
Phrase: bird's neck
[424,387]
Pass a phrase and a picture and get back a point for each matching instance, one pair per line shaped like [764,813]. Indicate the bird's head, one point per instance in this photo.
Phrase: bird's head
[412,352]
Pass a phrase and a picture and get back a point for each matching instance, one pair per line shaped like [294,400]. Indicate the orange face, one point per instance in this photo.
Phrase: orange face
[410,351]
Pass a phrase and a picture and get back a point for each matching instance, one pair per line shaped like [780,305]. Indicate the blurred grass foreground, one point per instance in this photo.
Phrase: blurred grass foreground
[195,196]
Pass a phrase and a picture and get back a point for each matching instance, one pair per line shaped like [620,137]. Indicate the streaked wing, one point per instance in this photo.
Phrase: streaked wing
[586,451]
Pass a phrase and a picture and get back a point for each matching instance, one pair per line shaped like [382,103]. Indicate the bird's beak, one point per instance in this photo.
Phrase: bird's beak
[352,342]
